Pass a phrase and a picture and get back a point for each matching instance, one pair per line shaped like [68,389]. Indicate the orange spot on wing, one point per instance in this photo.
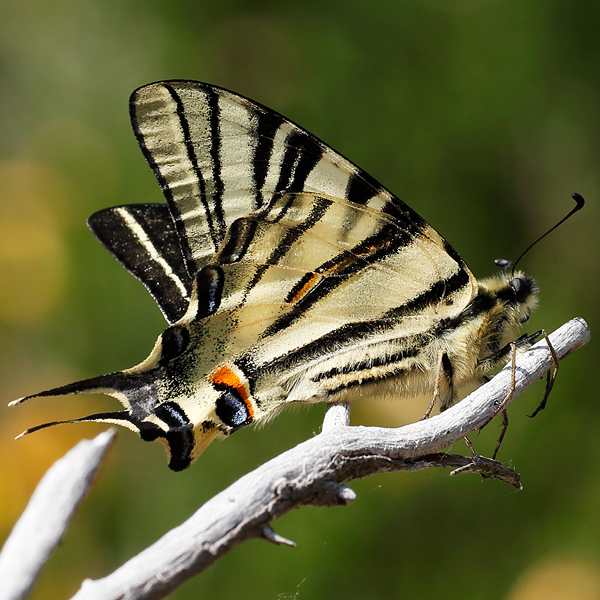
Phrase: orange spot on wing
[226,376]
[305,288]
[337,267]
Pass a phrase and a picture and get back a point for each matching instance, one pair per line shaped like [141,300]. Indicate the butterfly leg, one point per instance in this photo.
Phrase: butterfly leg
[502,434]
[507,397]
[470,446]
[443,373]
[550,377]
[524,341]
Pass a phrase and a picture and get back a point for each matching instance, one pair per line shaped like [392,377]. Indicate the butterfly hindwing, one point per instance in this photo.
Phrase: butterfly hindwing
[337,279]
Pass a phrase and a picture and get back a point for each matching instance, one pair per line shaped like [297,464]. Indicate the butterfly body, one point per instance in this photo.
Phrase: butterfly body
[287,274]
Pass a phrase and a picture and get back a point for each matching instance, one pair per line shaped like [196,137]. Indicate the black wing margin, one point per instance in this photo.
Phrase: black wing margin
[143,239]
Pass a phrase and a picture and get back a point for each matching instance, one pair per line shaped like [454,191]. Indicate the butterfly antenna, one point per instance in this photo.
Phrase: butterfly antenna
[502,262]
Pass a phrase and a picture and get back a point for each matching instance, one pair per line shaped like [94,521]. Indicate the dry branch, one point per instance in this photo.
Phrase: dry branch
[311,473]
[41,526]
[314,473]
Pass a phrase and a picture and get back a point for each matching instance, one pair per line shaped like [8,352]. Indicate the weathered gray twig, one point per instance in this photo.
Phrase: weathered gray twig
[314,473]
[336,415]
[41,526]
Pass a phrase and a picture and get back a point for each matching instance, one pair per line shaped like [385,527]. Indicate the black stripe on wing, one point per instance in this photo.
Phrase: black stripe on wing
[389,239]
[265,131]
[359,332]
[143,239]
[165,185]
[214,118]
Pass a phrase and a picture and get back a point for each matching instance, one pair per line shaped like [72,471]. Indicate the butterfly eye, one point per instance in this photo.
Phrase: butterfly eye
[174,342]
[232,410]
[521,289]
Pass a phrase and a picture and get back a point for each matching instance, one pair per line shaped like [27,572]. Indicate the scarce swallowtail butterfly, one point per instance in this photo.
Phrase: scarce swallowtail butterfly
[286,274]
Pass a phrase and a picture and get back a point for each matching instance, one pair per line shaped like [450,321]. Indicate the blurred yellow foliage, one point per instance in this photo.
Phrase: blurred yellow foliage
[24,461]
[559,579]
[32,253]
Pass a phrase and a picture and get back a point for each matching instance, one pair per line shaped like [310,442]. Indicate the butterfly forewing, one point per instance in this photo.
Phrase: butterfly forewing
[219,156]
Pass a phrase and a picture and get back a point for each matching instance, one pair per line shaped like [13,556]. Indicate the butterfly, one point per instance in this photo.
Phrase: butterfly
[286,274]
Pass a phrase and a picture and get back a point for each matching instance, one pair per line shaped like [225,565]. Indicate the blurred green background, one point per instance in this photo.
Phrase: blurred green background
[483,115]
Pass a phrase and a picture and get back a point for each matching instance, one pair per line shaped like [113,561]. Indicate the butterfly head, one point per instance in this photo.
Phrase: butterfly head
[509,299]
[519,292]
[166,399]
